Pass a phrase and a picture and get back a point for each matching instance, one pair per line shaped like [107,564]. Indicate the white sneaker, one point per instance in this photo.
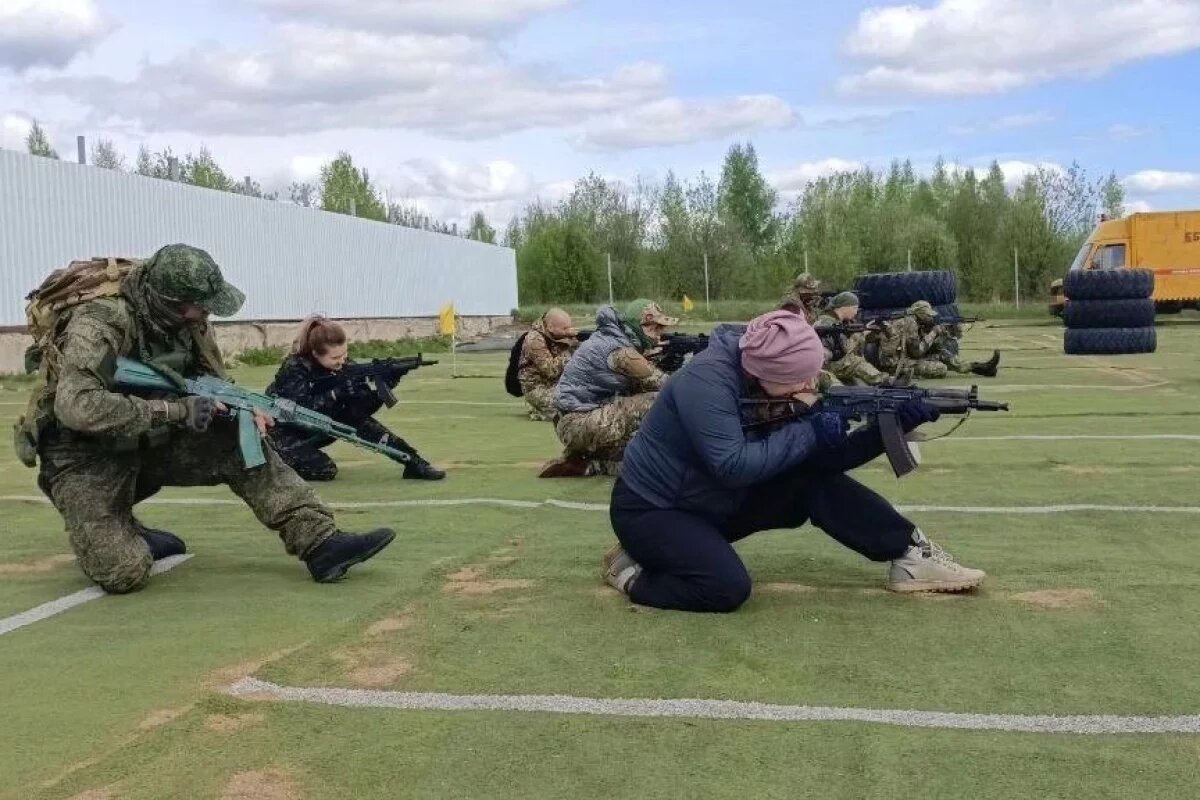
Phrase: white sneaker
[925,567]
[619,569]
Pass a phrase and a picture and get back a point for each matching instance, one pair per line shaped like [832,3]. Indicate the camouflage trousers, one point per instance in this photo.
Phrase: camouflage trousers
[604,432]
[854,370]
[95,489]
[921,369]
[540,400]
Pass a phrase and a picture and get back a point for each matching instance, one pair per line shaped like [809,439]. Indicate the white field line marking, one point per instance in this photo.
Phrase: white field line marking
[460,403]
[252,688]
[55,607]
[576,506]
[986,388]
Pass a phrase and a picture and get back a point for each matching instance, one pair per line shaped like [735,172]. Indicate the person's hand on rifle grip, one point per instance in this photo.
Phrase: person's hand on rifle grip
[914,413]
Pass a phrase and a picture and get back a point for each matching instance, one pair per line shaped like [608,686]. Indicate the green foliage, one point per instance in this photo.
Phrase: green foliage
[346,188]
[203,170]
[841,226]
[262,356]
[106,156]
[480,230]
[413,217]
[558,261]
[38,144]
[379,348]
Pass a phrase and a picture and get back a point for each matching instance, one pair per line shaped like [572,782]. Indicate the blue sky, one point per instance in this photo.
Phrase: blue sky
[463,104]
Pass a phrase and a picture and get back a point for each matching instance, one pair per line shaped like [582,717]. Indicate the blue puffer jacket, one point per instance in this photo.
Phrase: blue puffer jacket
[691,452]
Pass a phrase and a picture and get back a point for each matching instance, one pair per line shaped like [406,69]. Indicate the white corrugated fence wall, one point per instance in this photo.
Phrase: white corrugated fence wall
[290,261]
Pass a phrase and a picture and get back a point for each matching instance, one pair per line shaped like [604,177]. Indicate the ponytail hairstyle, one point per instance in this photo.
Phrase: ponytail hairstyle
[316,335]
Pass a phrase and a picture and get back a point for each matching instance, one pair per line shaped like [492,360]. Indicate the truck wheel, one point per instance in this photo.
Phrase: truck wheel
[1109,284]
[1109,341]
[1109,313]
[902,289]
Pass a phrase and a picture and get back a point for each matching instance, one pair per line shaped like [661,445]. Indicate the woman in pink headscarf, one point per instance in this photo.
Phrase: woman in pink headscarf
[696,478]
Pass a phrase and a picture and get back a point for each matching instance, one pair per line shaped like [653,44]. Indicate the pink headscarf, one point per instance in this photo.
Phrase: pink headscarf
[781,347]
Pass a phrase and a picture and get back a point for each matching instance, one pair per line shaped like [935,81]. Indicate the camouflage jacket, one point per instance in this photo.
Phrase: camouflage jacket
[542,359]
[78,392]
[904,340]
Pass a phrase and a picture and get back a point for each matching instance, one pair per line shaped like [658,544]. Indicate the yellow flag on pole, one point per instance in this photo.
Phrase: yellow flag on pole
[447,321]
[688,305]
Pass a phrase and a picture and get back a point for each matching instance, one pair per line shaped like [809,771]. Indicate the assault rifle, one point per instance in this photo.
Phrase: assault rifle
[136,376]
[676,347]
[861,403]
[381,374]
[871,316]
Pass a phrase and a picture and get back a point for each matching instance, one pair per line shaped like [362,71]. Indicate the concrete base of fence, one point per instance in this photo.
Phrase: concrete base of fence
[237,337]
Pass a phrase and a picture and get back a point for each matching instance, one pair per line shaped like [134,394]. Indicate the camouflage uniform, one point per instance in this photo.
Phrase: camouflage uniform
[846,361]
[804,297]
[911,345]
[102,451]
[603,433]
[609,386]
[541,365]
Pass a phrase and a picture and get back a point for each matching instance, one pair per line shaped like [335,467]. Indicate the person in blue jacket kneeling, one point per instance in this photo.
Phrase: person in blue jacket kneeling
[697,477]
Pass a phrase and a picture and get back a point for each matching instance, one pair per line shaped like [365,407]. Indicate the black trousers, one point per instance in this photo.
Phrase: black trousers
[688,561]
[301,450]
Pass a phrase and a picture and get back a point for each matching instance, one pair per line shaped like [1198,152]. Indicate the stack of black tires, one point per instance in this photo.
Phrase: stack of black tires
[888,294]
[1109,312]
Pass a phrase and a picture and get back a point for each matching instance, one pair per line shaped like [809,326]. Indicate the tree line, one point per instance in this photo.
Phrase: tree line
[733,233]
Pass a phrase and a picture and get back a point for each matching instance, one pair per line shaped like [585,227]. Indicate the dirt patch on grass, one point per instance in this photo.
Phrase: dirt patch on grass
[382,675]
[472,580]
[263,784]
[224,676]
[392,624]
[481,587]
[232,723]
[47,564]
[156,719]
[1073,469]
[787,588]
[1061,599]
[371,667]
[107,793]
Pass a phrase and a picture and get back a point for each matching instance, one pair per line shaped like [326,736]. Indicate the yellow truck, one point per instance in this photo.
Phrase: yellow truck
[1167,242]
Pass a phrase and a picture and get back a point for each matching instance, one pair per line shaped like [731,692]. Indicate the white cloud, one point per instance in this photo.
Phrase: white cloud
[965,47]
[1006,123]
[1015,172]
[674,121]
[1137,207]
[14,128]
[1154,180]
[48,33]
[312,78]
[481,17]
[791,182]
[1122,132]
[488,182]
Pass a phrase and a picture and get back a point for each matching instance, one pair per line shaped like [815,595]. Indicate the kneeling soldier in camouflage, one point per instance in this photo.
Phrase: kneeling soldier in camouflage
[606,390]
[846,361]
[103,451]
[914,346]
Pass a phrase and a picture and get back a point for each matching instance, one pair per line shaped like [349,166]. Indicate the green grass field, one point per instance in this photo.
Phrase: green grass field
[1086,612]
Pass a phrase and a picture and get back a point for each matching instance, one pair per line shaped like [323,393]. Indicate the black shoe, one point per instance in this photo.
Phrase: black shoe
[419,469]
[341,551]
[989,368]
[162,544]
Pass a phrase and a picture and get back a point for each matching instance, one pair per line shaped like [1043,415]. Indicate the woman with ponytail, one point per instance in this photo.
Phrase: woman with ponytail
[318,351]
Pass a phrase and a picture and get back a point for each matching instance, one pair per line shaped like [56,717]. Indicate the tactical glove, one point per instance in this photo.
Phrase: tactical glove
[193,412]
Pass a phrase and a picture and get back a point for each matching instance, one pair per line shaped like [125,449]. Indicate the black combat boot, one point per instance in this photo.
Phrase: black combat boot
[329,560]
[161,543]
[421,470]
[987,368]
[415,467]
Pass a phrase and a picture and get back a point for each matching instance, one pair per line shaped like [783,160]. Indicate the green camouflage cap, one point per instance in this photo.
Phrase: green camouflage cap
[922,310]
[844,300]
[190,275]
[642,311]
[805,284]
